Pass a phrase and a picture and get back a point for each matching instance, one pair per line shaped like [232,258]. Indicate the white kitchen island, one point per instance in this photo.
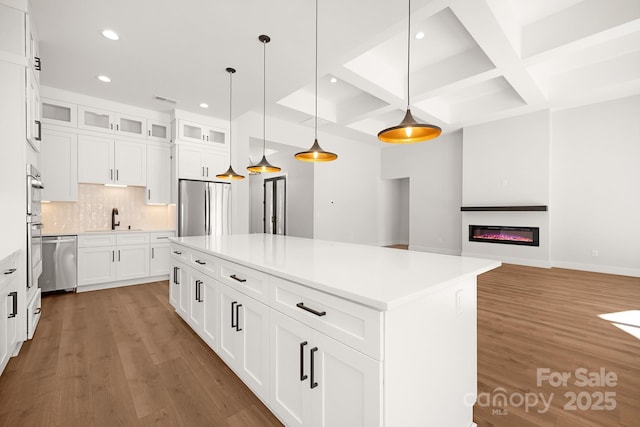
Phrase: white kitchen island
[335,334]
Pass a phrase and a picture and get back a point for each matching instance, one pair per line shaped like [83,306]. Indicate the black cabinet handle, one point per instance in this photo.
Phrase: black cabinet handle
[311,310]
[200,262]
[37,64]
[198,290]
[14,310]
[175,275]
[111,174]
[233,322]
[118,255]
[117,127]
[313,383]
[111,126]
[177,252]
[153,253]
[200,299]
[38,310]
[113,256]
[234,277]
[10,271]
[238,328]
[117,174]
[302,374]
[39,124]
[149,194]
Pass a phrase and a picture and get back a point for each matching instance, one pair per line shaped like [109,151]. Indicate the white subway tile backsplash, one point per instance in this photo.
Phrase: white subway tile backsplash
[92,211]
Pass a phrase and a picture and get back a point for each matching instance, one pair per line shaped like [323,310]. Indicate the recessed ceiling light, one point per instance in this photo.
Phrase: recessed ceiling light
[204,105]
[333,80]
[111,35]
[420,35]
[104,79]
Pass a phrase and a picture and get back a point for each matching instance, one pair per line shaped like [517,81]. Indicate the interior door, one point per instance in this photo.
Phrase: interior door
[275,205]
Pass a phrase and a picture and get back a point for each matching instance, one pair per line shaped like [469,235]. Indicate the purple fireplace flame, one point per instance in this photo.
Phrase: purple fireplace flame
[528,236]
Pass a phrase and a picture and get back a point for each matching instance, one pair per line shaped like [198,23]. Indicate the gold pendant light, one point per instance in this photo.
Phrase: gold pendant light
[409,130]
[264,165]
[230,173]
[316,153]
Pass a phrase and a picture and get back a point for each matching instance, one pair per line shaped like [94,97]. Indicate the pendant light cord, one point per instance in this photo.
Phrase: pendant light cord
[264,97]
[316,76]
[230,125]
[408,54]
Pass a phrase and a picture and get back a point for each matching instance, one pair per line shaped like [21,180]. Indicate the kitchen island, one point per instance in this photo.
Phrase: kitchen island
[336,334]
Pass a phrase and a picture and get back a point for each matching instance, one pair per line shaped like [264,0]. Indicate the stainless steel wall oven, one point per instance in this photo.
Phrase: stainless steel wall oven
[34,226]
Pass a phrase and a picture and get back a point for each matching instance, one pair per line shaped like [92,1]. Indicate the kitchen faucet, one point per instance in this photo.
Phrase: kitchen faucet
[114,224]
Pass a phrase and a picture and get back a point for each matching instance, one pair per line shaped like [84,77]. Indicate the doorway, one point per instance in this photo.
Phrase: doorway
[274,219]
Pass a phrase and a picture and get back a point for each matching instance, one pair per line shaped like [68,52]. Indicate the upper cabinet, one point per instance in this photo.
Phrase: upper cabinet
[105,161]
[59,166]
[196,132]
[158,131]
[32,47]
[60,113]
[108,121]
[34,124]
[158,174]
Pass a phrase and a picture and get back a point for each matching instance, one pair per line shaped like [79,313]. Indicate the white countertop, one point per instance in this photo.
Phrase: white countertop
[379,277]
[124,230]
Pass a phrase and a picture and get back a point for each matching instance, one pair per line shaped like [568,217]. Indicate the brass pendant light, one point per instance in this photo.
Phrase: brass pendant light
[316,153]
[264,165]
[230,173]
[409,130]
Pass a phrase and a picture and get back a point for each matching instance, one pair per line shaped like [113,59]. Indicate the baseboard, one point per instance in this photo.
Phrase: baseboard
[606,269]
[121,283]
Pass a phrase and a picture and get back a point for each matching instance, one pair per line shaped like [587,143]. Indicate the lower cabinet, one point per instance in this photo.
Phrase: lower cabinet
[244,338]
[179,288]
[8,309]
[318,381]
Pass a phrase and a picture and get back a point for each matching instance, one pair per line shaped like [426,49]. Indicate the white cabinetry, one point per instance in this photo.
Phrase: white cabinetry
[244,338]
[34,119]
[158,174]
[91,118]
[158,131]
[59,166]
[8,308]
[159,252]
[179,287]
[197,132]
[197,162]
[105,161]
[60,113]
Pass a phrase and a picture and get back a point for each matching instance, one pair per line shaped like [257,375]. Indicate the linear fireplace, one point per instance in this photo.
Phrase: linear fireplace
[527,236]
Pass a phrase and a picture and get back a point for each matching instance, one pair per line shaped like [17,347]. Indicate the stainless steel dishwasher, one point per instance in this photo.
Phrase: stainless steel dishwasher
[59,263]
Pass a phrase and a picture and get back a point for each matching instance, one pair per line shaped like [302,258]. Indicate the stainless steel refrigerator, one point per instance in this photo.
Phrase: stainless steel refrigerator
[203,208]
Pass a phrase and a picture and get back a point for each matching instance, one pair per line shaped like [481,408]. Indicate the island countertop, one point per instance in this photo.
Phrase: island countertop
[382,278]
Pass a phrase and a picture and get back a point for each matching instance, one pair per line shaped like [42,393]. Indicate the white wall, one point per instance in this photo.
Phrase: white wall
[434,169]
[595,181]
[394,208]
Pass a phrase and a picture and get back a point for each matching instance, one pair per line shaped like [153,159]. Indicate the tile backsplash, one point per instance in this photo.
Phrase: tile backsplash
[92,211]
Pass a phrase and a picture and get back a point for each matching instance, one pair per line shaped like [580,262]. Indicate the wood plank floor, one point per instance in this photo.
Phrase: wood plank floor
[530,318]
[123,357]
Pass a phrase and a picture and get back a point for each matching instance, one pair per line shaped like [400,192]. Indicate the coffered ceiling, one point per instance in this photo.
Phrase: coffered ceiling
[479,60]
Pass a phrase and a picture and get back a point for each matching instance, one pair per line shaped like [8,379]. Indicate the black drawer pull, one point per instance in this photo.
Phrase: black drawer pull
[200,262]
[175,275]
[302,374]
[10,271]
[14,307]
[177,252]
[311,310]
[238,328]
[313,383]
[233,322]
[234,277]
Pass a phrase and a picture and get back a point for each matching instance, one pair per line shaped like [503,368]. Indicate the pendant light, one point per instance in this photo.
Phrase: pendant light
[316,153]
[264,165]
[409,130]
[230,173]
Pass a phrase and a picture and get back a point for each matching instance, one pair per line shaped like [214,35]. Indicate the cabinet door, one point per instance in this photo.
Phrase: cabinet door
[95,160]
[215,136]
[349,387]
[5,302]
[158,174]
[185,288]
[159,261]
[210,315]
[96,265]
[130,163]
[253,320]
[174,285]
[190,163]
[59,113]
[158,131]
[289,353]
[34,119]
[133,262]
[179,288]
[94,119]
[59,166]
[196,301]
[189,131]
[127,125]
[214,162]
[229,339]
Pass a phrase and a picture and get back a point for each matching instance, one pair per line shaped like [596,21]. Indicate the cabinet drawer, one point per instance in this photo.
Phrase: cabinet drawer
[160,236]
[204,263]
[179,253]
[132,238]
[246,280]
[353,324]
[33,314]
[95,240]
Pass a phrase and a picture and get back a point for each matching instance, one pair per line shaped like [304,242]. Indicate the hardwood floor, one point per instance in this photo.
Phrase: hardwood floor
[123,357]
[530,318]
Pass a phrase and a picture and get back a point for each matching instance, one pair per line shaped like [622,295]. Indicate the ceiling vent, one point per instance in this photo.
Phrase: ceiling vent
[165,99]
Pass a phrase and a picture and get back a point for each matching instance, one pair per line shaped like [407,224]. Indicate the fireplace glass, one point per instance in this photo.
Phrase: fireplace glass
[528,236]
